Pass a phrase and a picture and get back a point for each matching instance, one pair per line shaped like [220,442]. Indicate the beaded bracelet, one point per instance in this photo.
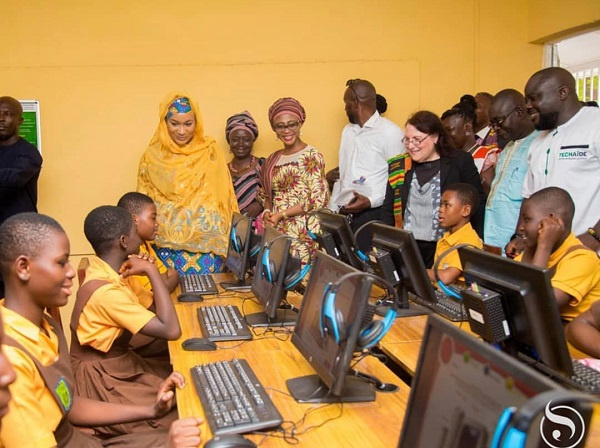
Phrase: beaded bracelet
[592,232]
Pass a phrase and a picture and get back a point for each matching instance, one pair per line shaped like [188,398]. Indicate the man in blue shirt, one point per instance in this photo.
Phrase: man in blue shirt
[509,117]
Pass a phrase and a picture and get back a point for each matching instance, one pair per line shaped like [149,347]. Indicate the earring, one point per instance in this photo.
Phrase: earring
[467,133]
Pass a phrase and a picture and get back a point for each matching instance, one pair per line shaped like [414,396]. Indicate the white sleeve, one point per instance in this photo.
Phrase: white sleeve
[528,184]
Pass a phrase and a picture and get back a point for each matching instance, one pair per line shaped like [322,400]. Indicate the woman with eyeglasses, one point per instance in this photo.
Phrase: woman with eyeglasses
[293,181]
[185,173]
[241,132]
[418,178]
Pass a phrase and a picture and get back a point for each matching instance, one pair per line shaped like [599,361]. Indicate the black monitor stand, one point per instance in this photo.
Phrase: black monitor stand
[238,285]
[310,389]
[404,308]
[286,317]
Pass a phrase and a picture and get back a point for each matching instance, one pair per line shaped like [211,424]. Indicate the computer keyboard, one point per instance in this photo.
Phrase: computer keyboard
[223,323]
[233,399]
[586,378]
[449,307]
[198,284]
[444,305]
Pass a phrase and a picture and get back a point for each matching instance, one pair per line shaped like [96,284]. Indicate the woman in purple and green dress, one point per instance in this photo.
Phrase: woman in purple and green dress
[241,132]
[293,184]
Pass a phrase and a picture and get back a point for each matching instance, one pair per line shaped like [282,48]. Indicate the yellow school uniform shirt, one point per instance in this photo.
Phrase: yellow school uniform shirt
[110,309]
[464,235]
[576,273]
[144,295]
[146,248]
[33,412]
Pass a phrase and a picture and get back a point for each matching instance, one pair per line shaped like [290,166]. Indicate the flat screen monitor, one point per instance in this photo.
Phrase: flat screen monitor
[528,315]
[461,388]
[395,257]
[336,238]
[329,359]
[269,287]
[243,244]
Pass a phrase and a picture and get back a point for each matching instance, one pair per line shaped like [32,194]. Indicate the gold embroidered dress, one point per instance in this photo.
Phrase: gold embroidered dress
[192,189]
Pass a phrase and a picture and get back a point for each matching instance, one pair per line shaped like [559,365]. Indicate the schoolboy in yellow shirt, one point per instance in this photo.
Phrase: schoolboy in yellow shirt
[457,205]
[545,226]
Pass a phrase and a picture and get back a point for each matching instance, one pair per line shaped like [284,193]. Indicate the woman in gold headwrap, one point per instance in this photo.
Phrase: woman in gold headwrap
[185,173]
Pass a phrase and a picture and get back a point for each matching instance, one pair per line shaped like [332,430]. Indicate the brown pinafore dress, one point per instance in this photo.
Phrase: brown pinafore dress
[117,376]
[58,378]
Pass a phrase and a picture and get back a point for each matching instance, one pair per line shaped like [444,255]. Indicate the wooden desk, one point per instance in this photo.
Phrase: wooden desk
[403,345]
[403,342]
[375,424]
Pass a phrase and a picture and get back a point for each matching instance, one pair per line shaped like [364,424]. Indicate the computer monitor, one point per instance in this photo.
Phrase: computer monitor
[330,360]
[395,257]
[269,286]
[243,245]
[513,303]
[336,238]
[461,388]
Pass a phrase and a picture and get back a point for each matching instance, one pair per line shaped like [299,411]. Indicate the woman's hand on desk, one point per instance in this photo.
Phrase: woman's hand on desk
[166,394]
[185,433]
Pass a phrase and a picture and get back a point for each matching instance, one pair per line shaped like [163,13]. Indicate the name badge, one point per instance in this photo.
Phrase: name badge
[573,152]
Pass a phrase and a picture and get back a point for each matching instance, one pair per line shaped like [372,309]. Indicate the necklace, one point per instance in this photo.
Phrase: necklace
[244,168]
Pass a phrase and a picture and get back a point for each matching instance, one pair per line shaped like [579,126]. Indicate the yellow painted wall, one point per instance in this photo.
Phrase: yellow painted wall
[100,69]
[553,19]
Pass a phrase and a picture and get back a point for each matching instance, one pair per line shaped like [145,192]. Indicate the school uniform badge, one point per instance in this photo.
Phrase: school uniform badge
[64,394]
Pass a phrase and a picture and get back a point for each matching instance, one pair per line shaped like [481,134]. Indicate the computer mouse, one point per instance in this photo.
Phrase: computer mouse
[198,344]
[190,297]
[229,441]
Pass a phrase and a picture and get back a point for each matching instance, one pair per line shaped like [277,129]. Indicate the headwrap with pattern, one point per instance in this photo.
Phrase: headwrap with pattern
[179,106]
[286,106]
[243,120]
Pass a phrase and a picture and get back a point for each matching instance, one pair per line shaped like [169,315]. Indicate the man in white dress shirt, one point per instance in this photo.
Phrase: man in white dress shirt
[368,141]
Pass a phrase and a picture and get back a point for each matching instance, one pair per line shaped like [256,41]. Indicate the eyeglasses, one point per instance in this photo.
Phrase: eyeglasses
[292,126]
[416,142]
[350,83]
[496,122]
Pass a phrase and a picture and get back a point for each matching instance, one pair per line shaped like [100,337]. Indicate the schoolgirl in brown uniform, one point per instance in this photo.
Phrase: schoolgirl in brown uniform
[34,263]
[106,315]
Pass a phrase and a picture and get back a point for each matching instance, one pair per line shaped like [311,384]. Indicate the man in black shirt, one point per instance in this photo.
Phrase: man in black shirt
[20,165]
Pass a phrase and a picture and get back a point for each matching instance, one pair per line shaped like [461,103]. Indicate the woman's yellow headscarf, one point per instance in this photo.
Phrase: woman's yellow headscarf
[191,187]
